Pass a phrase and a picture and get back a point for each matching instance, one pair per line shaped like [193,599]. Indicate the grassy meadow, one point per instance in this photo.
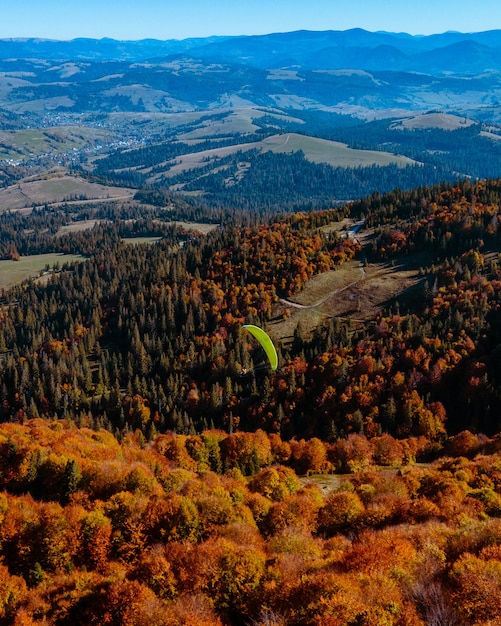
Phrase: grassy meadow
[60,188]
[14,272]
[315,150]
[30,142]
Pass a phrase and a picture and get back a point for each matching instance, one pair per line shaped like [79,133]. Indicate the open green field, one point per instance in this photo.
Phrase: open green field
[77,227]
[201,227]
[136,241]
[332,152]
[14,272]
[315,150]
[17,144]
[60,188]
[444,121]
[196,125]
[239,121]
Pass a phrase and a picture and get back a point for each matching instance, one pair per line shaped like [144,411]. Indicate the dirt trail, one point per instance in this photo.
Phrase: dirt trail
[333,293]
[355,290]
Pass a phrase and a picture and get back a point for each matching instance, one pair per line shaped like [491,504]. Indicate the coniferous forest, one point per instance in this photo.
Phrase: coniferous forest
[154,470]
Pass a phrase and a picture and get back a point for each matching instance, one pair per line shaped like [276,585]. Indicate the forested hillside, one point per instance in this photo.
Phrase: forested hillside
[340,191]
[149,336]
[253,179]
[150,460]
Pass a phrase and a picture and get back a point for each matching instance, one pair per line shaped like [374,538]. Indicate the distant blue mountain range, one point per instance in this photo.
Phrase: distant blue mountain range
[450,52]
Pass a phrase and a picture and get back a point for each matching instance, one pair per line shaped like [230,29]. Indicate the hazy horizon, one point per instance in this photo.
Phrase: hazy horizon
[165,19]
[106,37]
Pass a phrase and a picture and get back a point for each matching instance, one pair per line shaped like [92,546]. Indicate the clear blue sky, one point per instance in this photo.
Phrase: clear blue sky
[167,19]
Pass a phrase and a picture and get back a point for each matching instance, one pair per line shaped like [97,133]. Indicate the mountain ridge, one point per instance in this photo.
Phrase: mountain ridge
[277,49]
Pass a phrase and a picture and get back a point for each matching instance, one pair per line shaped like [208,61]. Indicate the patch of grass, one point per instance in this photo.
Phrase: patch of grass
[136,241]
[77,227]
[198,227]
[325,482]
[14,272]
[55,189]
[350,291]
[34,142]
[333,152]
[315,150]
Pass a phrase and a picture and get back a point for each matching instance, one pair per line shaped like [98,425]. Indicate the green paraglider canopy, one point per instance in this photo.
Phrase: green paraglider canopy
[266,344]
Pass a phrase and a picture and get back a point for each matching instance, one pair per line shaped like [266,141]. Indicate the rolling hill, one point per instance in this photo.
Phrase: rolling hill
[185,115]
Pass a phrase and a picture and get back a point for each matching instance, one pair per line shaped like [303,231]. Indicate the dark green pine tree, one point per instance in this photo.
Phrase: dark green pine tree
[71,480]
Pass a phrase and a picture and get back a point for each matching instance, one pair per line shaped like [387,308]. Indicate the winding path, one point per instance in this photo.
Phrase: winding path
[297,305]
